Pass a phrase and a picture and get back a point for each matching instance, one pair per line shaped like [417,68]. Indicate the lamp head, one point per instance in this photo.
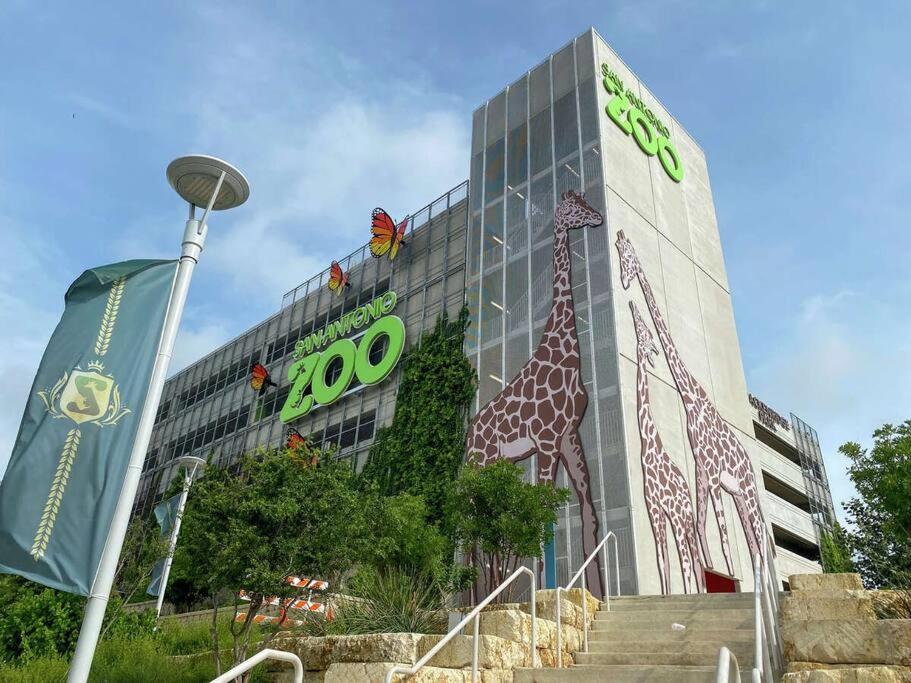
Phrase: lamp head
[194,178]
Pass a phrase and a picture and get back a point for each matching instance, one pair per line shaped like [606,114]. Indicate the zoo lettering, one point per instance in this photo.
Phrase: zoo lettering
[308,373]
[633,117]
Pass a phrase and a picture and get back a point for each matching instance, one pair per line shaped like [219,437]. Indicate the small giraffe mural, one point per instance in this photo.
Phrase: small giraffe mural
[722,463]
[667,496]
[540,410]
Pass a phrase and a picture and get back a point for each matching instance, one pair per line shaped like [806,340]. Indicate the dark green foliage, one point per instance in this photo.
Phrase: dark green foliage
[834,551]
[38,622]
[402,538]
[881,514]
[498,518]
[280,516]
[421,451]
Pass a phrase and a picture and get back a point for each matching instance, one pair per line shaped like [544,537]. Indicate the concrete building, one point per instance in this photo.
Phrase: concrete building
[655,434]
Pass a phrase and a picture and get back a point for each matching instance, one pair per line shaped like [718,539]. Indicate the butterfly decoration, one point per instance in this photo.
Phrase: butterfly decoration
[387,238]
[338,280]
[260,379]
[294,438]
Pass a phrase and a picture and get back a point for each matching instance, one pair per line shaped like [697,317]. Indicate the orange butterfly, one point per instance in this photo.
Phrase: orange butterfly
[294,438]
[259,378]
[338,280]
[387,238]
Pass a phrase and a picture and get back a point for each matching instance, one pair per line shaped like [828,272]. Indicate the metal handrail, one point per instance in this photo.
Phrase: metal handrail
[475,614]
[581,574]
[248,664]
[767,658]
[723,670]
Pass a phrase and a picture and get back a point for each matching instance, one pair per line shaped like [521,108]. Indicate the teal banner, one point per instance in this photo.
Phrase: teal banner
[155,582]
[70,457]
[166,514]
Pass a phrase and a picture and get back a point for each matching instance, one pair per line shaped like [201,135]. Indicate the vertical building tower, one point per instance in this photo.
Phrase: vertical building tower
[667,433]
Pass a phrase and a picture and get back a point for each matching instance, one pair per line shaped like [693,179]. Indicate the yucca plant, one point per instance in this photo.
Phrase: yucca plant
[390,600]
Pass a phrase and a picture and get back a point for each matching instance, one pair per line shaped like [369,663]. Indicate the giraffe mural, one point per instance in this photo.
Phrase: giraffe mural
[722,463]
[667,496]
[540,410]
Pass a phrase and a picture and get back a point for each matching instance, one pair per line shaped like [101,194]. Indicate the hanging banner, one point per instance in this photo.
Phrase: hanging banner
[70,457]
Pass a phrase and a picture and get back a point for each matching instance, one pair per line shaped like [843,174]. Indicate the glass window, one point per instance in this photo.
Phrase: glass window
[491,374]
[517,156]
[563,71]
[477,167]
[541,209]
[496,117]
[493,171]
[516,228]
[477,129]
[539,88]
[493,235]
[517,296]
[566,132]
[585,56]
[588,111]
[539,140]
[569,176]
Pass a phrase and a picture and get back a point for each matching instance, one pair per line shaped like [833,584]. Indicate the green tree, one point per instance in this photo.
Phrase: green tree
[278,517]
[421,451]
[880,514]
[498,518]
[835,552]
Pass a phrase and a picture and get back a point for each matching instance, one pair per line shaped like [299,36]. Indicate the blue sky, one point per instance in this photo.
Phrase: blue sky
[332,108]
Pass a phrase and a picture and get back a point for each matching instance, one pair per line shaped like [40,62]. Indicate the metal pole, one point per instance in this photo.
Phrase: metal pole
[194,237]
[172,545]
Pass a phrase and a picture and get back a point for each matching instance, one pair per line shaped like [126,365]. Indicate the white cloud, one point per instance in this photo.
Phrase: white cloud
[31,301]
[195,341]
[843,369]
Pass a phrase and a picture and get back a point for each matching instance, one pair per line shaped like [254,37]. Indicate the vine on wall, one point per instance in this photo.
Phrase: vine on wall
[421,451]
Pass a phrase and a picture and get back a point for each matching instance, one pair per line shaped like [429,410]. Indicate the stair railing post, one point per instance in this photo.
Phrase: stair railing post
[584,616]
[559,631]
[474,649]
[757,614]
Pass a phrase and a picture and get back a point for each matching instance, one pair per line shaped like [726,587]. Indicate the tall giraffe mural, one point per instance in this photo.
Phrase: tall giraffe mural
[540,410]
[722,463]
[667,496]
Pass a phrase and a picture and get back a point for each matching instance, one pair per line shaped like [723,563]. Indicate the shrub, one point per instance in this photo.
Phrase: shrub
[393,601]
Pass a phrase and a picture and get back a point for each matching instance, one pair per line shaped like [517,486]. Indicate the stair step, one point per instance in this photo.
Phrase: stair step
[738,601]
[666,634]
[685,658]
[645,649]
[684,612]
[618,673]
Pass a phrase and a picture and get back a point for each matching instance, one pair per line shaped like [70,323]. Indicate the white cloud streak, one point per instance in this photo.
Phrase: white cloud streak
[844,370]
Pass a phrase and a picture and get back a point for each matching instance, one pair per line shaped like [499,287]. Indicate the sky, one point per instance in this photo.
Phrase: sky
[330,109]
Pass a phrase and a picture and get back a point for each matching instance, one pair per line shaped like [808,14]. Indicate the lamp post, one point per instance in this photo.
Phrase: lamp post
[201,181]
[190,466]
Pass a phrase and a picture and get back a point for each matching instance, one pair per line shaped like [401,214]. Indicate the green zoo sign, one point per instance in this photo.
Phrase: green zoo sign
[634,118]
[311,386]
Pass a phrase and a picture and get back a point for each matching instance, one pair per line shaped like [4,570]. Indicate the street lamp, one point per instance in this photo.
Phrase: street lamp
[202,181]
[190,465]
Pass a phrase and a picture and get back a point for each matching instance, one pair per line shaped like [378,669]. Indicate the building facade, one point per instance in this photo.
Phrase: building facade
[209,409]
[602,331]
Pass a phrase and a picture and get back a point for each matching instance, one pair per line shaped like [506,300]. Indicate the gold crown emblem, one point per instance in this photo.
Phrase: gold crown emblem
[96,365]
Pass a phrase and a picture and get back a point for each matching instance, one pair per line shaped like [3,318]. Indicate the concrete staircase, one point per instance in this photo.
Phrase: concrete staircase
[641,639]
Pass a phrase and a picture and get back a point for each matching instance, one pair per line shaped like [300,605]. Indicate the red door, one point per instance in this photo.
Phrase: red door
[719,583]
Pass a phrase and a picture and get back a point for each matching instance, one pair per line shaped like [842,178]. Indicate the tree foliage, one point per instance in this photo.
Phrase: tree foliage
[278,517]
[498,518]
[421,451]
[38,622]
[881,515]
[835,552]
